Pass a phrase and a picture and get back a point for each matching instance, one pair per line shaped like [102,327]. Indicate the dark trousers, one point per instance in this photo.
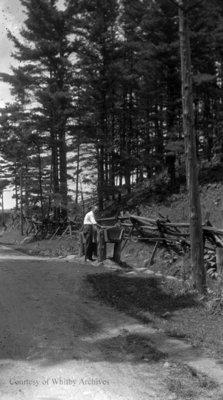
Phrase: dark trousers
[90,246]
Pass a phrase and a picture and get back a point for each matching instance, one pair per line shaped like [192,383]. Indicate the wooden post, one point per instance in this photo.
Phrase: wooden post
[117,252]
[219,261]
[101,245]
[81,245]
[161,230]
[219,258]
[196,234]
[219,265]
[153,253]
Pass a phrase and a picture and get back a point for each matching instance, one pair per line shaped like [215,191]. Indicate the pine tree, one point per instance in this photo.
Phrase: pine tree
[45,78]
[97,34]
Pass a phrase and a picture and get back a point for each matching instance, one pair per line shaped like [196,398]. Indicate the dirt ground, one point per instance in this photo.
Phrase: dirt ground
[60,340]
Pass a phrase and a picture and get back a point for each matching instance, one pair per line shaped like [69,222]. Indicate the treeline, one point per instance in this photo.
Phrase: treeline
[97,88]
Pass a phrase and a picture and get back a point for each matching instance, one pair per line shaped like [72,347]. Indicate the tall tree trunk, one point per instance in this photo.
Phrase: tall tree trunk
[16,190]
[54,172]
[78,168]
[159,134]
[63,172]
[112,152]
[196,234]
[26,190]
[40,180]
[100,168]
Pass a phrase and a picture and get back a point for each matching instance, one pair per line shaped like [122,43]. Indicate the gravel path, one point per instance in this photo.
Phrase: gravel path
[58,341]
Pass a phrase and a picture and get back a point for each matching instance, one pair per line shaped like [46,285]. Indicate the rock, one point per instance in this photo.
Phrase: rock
[46,253]
[140,269]
[109,263]
[166,364]
[97,264]
[70,257]
[131,273]
[172,397]
[77,258]
[172,278]
[149,272]
[165,315]
[27,239]
[146,262]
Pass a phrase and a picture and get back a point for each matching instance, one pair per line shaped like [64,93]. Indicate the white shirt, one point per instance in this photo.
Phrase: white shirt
[89,219]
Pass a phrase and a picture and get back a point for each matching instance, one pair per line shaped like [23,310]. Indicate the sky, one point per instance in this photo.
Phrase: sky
[11,18]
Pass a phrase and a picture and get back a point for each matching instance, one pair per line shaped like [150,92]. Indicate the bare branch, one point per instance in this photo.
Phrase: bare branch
[176,3]
[194,5]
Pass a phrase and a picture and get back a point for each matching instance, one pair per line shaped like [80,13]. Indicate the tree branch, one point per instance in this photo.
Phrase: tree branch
[176,3]
[194,5]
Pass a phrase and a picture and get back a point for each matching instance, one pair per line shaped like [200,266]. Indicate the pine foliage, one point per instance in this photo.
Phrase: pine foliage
[97,92]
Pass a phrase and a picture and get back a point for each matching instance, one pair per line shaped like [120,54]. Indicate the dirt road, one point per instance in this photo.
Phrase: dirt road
[59,342]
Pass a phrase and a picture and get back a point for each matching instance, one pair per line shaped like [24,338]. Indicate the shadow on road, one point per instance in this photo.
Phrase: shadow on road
[59,312]
[133,294]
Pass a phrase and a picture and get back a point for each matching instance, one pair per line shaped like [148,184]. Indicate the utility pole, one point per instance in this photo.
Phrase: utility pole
[196,232]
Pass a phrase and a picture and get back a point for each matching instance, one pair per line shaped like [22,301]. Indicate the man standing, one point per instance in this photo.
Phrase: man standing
[89,231]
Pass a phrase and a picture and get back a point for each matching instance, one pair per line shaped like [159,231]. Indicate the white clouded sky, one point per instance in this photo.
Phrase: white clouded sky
[11,17]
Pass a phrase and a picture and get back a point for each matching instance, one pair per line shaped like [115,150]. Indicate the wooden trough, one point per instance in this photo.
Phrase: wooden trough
[111,234]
